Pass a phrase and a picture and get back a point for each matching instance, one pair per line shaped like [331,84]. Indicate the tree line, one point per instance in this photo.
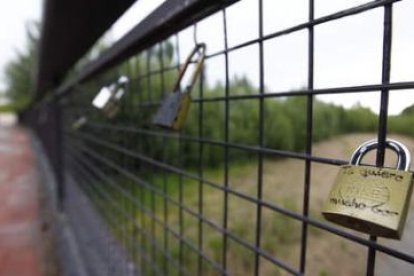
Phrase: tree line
[281,122]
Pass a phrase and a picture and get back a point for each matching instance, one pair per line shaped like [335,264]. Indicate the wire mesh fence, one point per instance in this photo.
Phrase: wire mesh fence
[239,189]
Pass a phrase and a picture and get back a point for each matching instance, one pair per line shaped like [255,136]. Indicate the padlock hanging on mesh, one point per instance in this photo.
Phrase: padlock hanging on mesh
[79,123]
[370,199]
[174,107]
[109,97]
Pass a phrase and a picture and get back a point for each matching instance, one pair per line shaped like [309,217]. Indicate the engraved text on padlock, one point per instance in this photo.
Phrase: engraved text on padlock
[370,199]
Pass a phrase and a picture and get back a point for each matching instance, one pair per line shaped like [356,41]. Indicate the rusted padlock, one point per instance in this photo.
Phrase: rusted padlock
[174,108]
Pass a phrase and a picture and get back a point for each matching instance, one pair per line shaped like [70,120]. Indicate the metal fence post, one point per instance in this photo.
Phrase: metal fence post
[58,162]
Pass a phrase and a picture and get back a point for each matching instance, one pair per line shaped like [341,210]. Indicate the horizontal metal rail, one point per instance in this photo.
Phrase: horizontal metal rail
[154,28]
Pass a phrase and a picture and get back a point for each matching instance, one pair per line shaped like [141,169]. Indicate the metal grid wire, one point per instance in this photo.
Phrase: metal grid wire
[153,196]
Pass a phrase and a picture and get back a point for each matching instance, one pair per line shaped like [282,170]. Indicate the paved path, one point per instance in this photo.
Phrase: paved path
[19,207]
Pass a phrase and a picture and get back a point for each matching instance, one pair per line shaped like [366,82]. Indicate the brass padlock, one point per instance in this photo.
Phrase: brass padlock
[174,108]
[371,199]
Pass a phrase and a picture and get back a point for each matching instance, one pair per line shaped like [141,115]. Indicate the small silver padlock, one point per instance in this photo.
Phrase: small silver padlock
[174,108]
[109,97]
[371,199]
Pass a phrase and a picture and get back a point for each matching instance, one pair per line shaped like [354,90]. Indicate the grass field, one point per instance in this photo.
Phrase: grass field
[281,236]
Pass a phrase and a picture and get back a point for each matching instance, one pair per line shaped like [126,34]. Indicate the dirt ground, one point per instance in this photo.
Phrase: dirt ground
[283,185]
[328,254]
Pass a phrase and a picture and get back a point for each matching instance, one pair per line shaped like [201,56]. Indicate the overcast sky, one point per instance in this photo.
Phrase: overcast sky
[347,52]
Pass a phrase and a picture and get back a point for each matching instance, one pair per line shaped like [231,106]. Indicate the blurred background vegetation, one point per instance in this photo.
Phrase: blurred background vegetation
[284,128]
[284,123]
[19,73]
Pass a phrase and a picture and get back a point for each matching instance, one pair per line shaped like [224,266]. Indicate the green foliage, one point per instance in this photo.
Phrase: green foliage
[331,120]
[402,124]
[359,119]
[284,124]
[284,121]
[408,110]
[18,73]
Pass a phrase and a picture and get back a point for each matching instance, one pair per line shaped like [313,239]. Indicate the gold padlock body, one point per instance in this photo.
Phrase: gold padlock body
[111,108]
[173,111]
[370,199]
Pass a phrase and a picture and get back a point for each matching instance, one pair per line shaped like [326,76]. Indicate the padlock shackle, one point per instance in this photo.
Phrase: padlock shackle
[122,82]
[404,157]
[201,49]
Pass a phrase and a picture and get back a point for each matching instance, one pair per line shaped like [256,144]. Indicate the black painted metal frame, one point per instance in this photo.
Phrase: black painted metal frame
[91,166]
